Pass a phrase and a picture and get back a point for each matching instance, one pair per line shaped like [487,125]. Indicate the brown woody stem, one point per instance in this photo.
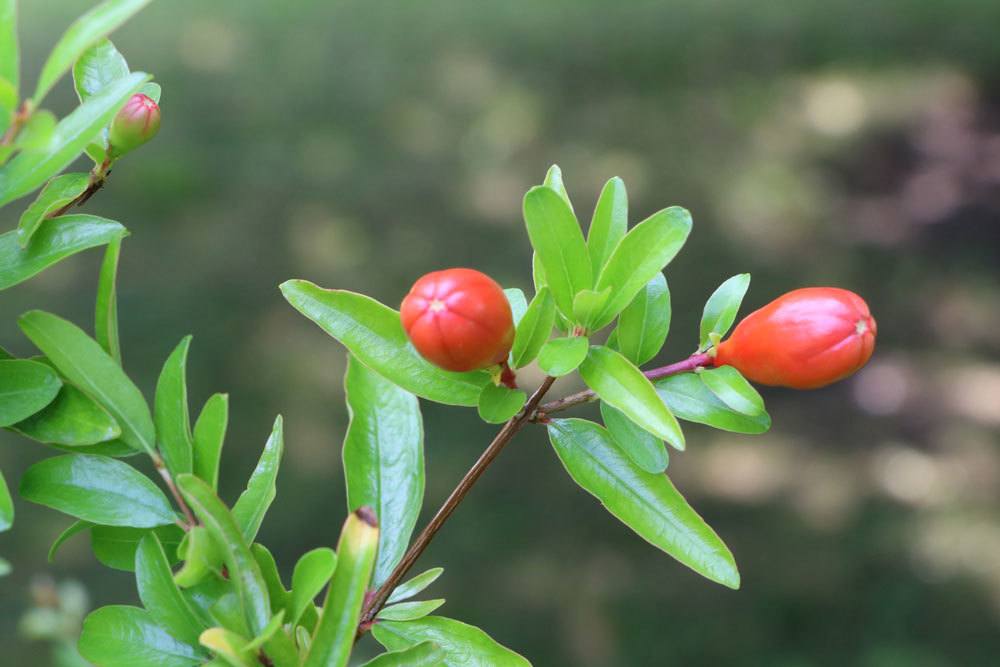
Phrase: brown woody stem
[161,468]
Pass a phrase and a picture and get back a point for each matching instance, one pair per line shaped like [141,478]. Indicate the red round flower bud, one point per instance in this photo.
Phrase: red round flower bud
[459,319]
[136,123]
[805,339]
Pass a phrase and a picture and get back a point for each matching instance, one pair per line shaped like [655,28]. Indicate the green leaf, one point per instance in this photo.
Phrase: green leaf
[10,57]
[638,257]
[6,506]
[38,133]
[554,181]
[106,307]
[609,223]
[115,547]
[498,403]
[730,387]
[424,654]
[623,386]
[58,192]
[384,459]
[374,334]
[272,579]
[201,555]
[170,411]
[29,169]
[152,91]
[73,419]
[243,569]
[645,449]
[254,502]
[230,646]
[463,645]
[561,356]
[689,398]
[334,637]
[55,241]
[534,328]
[98,489]
[97,67]
[71,530]
[85,31]
[644,324]
[25,388]
[415,585]
[518,303]
[160,595]
[409,611]
[209,434]
[588,303]
[646,502]
[123,636]
[84,363]
[722,307]
[311,574]
[556,237]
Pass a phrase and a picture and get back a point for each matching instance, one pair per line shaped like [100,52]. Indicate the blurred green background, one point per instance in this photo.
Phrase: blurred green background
[361,144]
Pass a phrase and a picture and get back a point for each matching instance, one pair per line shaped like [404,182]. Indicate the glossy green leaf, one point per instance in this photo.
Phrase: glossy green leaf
[160,595]
[644,324]
[25,388]
[689,398]
[151,90]
[384,459]
[721,308]
[374,334]
[278,647]
[243,569]
[730,387]
[409,611]
[639,257]
[98,489]
[229,646]
[38,133]
[518,303]
[254,502]
[56,240]
[10,56]
[272,579]
[115,546]
[209,434]
[609,223]
[408,589]
[463,645]
[71,530]
[97,67]
[106,306]
[645,449]
[58,192]
[202,557]
[623,386]
[170,411]
[424,654]
[30,169]
[498,403]
[84,363]
[334,637]
[123,636]
[72,419]
[588,303]
[554,181]
[85,31]
[534,328]
[556,237]
[215,602]
[115,448]
[646,502]
[311,574]
[6,506]
[561,356]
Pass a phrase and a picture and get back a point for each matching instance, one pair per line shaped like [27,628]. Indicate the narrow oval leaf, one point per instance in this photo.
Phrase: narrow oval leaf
[518,303]
[534,328]
[588,303]
[115,546]
[272,579]
[160,595]
[646,502]
[424,654]
[10,58]
[561,356]
[609,223]
[415,585]
[123,636]
[384,459]
[254,502]
[230,646]
[170,411]
[97,67]
[556,237]
[689,398]
[374,334]
[311,573]
[644,324]
[463,645]
[98,489]
[6,506]
[84,363]
[57,239]
[554,180]
[106,306]
[334,637]
[202,557]
[25,388]
[645,449]
[621,385]
[409,611]
[73,419]
[498,403]
[209,434]
[639,256]
[732,388]
[721,308]
[58,192]
[70,531]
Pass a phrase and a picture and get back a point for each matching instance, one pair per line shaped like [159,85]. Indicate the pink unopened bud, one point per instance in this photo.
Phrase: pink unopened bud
[136,123]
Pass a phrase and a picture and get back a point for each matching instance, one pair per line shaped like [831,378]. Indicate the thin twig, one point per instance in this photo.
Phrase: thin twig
[161,468]
[19,120]
[98,177]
